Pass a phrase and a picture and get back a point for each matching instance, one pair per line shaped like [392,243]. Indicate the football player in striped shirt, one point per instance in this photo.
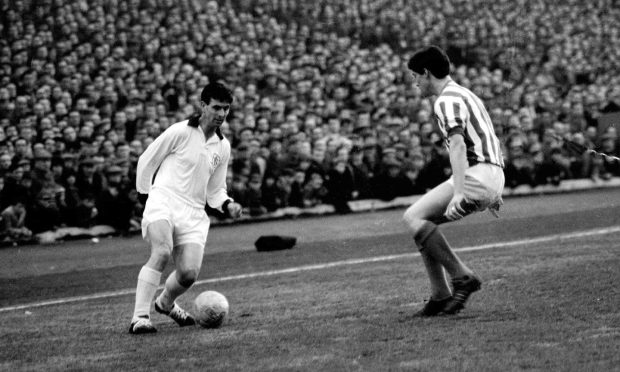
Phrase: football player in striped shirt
[476,183]
[183,169]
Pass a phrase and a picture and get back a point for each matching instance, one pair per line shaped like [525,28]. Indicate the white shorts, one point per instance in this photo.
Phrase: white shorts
[484,183]
[189,224]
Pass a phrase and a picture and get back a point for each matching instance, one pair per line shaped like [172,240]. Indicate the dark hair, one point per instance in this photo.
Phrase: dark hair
[216,91]
[431,58]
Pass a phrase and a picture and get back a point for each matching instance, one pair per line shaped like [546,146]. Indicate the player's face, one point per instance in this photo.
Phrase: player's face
[422,82]
[215,112]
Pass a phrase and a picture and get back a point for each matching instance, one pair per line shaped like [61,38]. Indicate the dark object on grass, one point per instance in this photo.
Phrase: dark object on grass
[268,243]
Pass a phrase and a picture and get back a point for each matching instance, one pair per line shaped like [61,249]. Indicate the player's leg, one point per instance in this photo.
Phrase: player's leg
[188,260]
[159,235]
[439,284]
[433,244]
[483,186]
[190,238]
[431,241]
[430,207]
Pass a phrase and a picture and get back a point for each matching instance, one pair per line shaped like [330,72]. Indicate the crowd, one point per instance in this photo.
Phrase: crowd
[324,110]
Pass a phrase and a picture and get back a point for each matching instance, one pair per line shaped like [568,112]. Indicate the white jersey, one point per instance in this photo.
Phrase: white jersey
[186,166]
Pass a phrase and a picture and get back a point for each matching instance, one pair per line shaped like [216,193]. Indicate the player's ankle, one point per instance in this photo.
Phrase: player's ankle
[462,273]
[164,303]
[137,317]
[440,296]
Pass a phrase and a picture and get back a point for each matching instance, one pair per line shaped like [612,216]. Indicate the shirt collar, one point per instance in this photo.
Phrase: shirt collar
[194,122]
[213,139]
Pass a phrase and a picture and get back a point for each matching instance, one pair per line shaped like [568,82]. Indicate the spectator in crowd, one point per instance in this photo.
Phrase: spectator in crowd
[5,164]
[371,156]
[253,200]
[613,101]
[13,223]
[391,182]
[520,171]
[42,175]
[113,204]
[23,150]
[315,192]
[73,208]
[89,184]
[270,195]
[296,197]
[581,165]
[520,167]
[44,214]
[284,188]
[553,169]
[17,186]
[608,145]
[361,174]
[412,170]
[239,189]
[437,165]
[340,185]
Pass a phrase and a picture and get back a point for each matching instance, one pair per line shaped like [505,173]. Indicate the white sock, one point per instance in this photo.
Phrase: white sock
[172,290]
[148,281]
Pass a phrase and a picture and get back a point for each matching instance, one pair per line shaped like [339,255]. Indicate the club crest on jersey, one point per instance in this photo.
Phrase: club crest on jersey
[215,160]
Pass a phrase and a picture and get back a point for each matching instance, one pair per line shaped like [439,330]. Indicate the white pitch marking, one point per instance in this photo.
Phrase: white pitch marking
[291,270]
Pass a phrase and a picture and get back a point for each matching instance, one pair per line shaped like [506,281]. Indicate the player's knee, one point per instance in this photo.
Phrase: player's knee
[425,230]
[413,221]
[408,217]
[187,277]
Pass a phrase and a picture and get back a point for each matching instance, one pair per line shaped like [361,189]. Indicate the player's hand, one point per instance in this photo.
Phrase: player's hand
[453,211]
[234,210]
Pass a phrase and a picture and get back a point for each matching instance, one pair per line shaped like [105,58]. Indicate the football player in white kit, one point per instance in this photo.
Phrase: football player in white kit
[181,171]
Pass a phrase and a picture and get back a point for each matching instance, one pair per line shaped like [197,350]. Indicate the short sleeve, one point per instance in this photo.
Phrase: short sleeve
[452,114]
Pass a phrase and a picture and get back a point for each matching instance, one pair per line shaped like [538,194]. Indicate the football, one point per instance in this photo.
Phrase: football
[211,308]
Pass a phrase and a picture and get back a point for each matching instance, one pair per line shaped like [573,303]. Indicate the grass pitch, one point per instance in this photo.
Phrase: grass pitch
[549,306]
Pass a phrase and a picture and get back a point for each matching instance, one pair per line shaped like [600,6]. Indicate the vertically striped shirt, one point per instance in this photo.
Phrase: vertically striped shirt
[458,110]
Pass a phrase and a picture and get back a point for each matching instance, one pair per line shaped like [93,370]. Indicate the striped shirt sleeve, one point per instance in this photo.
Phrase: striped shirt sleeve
[452,114]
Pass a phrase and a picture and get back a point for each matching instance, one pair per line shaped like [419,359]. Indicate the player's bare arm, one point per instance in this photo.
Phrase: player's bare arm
[458,161]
